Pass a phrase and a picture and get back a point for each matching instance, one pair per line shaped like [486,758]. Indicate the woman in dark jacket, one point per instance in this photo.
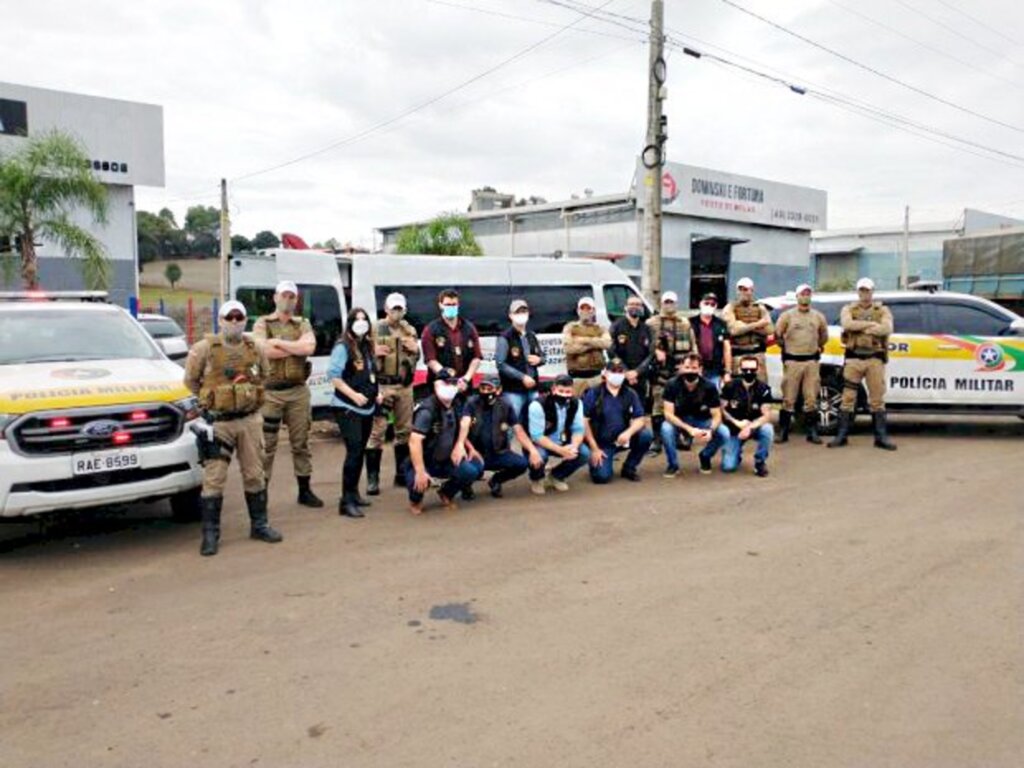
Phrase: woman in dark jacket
[353,375]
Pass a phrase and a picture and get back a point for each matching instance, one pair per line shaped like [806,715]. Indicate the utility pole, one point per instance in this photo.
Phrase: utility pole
[653,157]
[225,240]
[905,251]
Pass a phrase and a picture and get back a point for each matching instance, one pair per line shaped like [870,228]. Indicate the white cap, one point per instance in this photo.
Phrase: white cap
[231,306]
[394,300]
[866,282]
[803,287]
[287,286]
[745,282]
[516,305]
[669,296]
[586,301]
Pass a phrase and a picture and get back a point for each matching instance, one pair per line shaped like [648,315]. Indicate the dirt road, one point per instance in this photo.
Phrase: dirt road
[854,609]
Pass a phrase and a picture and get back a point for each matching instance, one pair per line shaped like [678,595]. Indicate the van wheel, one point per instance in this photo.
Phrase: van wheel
[185,506]
[828,403]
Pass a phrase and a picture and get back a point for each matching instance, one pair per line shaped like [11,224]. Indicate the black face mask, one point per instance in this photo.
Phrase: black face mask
[489,397]
[749,376]
[561,399]
[691,378]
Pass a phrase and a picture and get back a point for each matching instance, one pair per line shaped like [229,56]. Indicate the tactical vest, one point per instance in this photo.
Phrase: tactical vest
[398,366]
[517,359]
[500,422]
[447,354]
[550,407]
[293,369]
[672,336]
[752,342]
[631,345]
[232,380]
[361,375]
[860,344]
[801,340]
[438,442]
[589,363]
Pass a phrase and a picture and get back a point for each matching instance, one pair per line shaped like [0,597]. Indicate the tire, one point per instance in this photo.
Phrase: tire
[185,506]
[828,403]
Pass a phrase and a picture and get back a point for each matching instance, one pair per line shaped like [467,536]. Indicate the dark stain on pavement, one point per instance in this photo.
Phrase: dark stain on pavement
[316,731]
[459,612]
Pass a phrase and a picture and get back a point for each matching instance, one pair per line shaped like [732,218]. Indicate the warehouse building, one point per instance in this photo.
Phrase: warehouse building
[717,227]
[125,144]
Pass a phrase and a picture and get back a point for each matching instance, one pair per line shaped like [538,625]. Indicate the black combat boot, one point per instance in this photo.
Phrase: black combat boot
[811,425]
[401,456]
[843,431]
[259,528]
[347,507]
[209,507]
[881,432]
[785,420]
[306,496]
[373,472]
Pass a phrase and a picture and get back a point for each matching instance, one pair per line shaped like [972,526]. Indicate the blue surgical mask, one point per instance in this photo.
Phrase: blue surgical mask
[450,312]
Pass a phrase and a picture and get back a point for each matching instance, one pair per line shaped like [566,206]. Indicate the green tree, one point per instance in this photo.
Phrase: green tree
[265,239]
[41,183]
[202,230]
[240,243]
[159,236]
[173,274]
[448,235]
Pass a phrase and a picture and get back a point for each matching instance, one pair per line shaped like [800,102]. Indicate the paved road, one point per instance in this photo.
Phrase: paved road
[854,609]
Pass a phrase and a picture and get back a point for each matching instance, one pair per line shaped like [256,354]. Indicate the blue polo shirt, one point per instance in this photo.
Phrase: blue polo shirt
[617,411]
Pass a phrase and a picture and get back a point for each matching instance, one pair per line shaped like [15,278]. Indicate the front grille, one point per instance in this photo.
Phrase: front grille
[98,481]
[93,429]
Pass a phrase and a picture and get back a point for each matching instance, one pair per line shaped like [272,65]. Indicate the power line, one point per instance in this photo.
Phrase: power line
[515,17]
[951,29]
[871,69]
[923,44]
[978,21]
[424,104]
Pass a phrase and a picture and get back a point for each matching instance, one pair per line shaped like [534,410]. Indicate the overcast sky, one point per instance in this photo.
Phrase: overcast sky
[246,85]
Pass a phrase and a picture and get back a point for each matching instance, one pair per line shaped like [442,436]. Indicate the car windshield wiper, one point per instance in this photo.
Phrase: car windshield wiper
[58,359]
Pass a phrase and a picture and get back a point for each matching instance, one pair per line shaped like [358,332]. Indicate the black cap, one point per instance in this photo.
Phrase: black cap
[710,296]
[563,380]
[615,364]
[493,381]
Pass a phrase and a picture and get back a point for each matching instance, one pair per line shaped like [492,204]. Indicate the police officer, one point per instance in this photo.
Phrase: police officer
[397,354]
[557,432]
[585,343]
[613,417]
[633,345]
[451,343]
[867,325]
[747,412]
[518,357]
[750,325]
[713,344]
[434,448]
[287,341]
[802,333]
[226,371]
[673,340]
[487,421]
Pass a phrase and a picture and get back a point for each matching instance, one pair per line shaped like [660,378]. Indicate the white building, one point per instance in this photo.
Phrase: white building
[125,143]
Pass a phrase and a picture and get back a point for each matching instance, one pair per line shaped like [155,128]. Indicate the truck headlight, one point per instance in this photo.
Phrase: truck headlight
[190,406]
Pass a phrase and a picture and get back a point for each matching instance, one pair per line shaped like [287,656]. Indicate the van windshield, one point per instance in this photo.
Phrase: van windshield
[69,336]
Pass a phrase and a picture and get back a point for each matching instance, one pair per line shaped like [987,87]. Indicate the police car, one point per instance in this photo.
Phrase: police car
[92,413]
[949,353]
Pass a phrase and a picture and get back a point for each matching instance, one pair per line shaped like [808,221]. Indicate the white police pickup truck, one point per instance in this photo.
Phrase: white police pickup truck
[92,413]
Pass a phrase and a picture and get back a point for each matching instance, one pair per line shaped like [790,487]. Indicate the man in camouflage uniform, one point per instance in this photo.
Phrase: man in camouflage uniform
[801,333]
[287,341]
[673,340]
[398,352]
[226,371]
[585,342]
[867,325]
[750,325]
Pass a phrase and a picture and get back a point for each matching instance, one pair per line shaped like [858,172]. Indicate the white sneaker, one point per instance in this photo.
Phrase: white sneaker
[538,487]
[559,485]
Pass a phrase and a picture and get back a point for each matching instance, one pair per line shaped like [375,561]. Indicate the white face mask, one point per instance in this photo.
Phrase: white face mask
[360,327]
[233,329]
[447,392]
[616,379]
[706,310]
[520,319]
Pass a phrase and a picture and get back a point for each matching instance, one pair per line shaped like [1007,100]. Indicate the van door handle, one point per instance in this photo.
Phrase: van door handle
[948,347]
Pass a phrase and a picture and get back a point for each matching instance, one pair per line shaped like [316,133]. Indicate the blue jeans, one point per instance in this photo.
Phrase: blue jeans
[517,402]
[565,468]
[715,379]
[638,446]
[507,465]
[669,433]
[456,478]
[732,455]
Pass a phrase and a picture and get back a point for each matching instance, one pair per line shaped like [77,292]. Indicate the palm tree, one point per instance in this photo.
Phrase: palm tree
[41,182]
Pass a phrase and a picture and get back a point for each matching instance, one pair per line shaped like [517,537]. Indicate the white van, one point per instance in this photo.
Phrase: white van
[330,284]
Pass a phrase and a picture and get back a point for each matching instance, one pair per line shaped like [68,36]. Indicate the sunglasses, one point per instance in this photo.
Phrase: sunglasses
[234,317]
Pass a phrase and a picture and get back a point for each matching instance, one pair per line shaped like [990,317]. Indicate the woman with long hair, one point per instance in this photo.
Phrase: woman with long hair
[352,372]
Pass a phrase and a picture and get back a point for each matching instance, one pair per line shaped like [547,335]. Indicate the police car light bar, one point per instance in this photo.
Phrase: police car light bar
[54,296]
